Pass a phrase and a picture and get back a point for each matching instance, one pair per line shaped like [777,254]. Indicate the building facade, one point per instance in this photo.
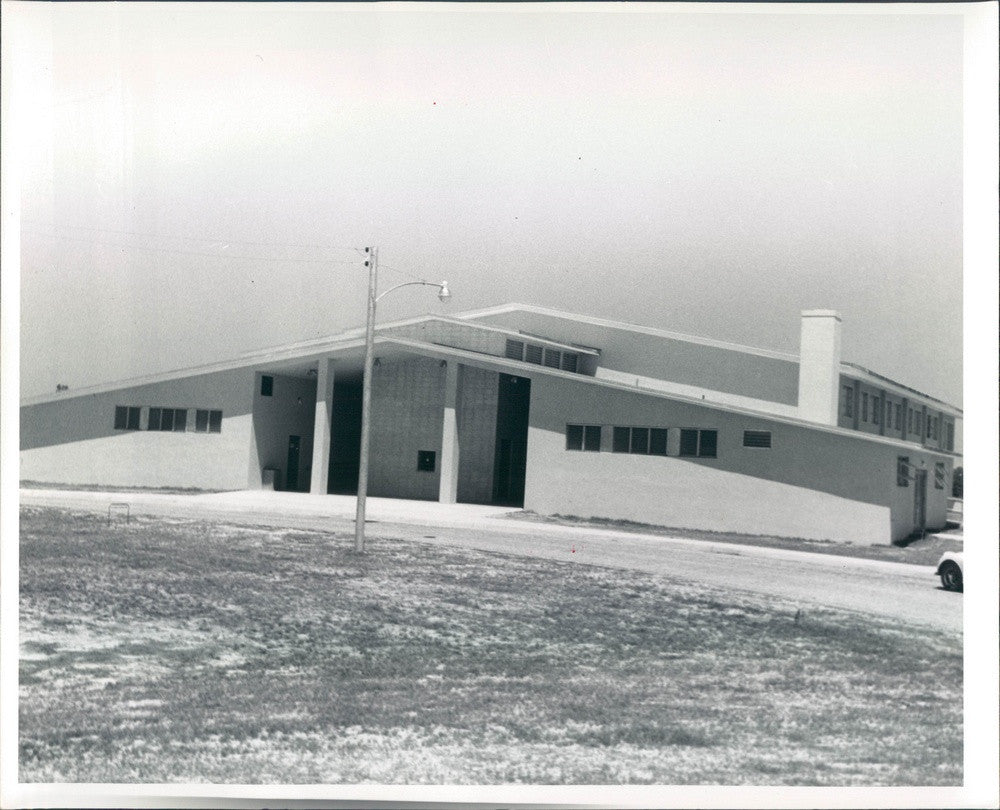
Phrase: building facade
[534,408]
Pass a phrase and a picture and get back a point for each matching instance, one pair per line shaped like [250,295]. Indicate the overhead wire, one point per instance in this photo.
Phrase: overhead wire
[190,238]
[218,255]
[197,252]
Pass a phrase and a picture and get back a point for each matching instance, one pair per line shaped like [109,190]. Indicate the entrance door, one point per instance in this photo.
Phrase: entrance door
[345,439]
[920,501]
[511,455]
[292,470]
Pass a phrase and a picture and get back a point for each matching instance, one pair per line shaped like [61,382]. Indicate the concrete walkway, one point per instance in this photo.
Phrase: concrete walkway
[897,591]
[256,505]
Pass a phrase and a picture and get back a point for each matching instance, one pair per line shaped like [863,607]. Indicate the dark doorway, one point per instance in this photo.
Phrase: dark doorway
[920,502]
[511,441]
[345,438]
[292,470]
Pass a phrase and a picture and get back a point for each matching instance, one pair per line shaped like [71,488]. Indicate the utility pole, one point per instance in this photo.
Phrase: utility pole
[366,384]
[366,399]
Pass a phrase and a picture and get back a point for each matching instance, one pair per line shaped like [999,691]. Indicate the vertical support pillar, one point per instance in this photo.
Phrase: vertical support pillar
[448,488]
[319,481]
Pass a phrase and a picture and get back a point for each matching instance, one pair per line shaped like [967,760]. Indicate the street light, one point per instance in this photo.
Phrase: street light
[366,384]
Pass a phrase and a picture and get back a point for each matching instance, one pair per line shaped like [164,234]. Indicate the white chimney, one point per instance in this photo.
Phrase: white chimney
[819,366]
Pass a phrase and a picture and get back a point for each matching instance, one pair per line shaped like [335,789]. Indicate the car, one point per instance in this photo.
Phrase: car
[949,568]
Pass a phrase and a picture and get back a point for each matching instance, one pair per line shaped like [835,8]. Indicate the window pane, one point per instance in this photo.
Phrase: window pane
[552,358]
[864,407]
[619,440]
[133,418]
[514,350]
[903,471]
[658,441]
[939,476]
[640,440]
[154,419]
[426,459]
[592,438]
[266,385]
[689,442]
[167,419]
[574,437]
[848,401]
[201,421]
[569,362]
[215,422]
[756,438]
[121,417]
[533,354]
[709,439]
[180,420]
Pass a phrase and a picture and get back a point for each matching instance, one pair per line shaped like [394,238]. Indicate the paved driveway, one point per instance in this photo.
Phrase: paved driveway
[907,593]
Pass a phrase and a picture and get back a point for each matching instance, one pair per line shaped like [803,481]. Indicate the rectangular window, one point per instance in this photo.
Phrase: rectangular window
[903,471]
[876,410]
[569,362]
[583,437]
[640,441]
[574,437]
[552,358]
[180,420]
[133,418]
[154,419]
[514,350]
[936,430]
[266,385]
[215,421]
[888,414]
[426,460]
[909,428]
[939,475]
[848,401]
[166,418]
[121,417]
[701,443]
[620,440]
[950,436]
[533,354]
[864,407]
[201,421]
[756,438]
[899,416]
[658,442]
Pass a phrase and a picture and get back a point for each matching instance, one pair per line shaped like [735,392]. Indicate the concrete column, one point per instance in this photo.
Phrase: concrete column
[321,428]
[819,366]
[448,487]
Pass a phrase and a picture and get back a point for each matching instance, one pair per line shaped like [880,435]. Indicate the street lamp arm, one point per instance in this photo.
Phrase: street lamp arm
[366,385]
[443,287]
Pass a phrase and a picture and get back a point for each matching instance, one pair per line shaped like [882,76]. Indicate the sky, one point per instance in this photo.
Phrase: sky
[197,179]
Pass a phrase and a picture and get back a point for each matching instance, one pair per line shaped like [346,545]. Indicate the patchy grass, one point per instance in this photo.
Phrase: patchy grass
[917,551]
[190,651]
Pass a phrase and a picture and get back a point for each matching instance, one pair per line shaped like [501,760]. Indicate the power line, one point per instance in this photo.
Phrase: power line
[195,252]
[206,239]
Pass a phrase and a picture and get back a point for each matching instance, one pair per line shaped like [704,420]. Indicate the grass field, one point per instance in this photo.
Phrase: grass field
[189,651]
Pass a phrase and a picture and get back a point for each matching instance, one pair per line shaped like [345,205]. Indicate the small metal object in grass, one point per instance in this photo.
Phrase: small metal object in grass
[119,508]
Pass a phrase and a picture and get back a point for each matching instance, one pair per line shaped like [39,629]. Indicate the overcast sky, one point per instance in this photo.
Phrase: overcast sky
[197,177]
